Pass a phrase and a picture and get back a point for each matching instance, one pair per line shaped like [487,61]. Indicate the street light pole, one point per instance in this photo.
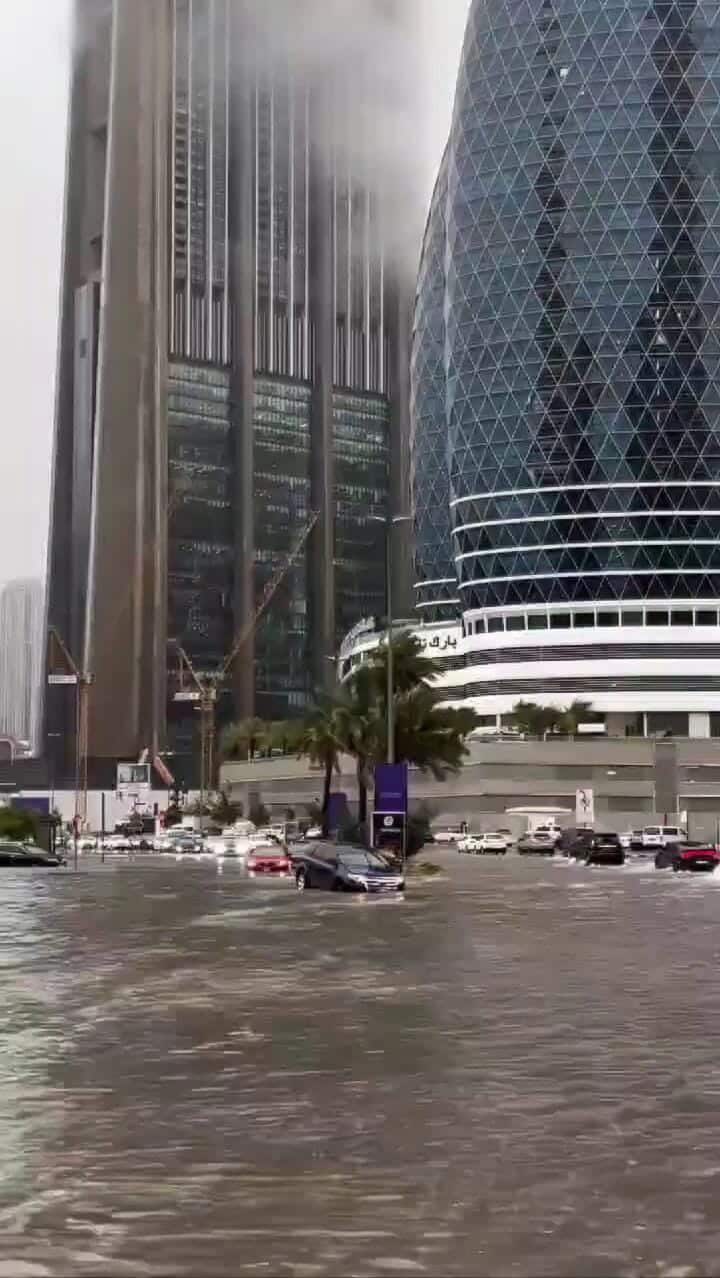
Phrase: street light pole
[390,670]
[390,523]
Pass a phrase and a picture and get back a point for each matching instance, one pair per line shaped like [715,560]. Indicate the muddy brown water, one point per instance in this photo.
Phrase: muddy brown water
[515,1071]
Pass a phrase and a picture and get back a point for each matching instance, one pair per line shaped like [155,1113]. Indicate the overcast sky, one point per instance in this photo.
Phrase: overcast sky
[33,108]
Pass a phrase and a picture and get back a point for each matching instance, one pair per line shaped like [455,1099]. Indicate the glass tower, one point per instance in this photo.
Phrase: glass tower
[233,361]
[566,361]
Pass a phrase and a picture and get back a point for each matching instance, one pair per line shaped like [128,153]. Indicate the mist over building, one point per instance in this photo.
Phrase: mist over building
[240,247]
[21,658]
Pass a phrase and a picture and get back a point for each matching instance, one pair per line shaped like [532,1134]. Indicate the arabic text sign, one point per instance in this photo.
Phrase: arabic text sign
[439,641]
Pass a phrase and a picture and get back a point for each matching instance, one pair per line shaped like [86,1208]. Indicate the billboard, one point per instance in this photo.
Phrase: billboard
[584,807]
[133,780]
[391,788]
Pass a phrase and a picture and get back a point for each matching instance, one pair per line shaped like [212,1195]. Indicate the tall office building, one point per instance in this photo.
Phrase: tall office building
[21,651]
[567,328]
[234,351]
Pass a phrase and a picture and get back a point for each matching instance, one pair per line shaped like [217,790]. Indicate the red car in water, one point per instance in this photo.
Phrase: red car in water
[269,858]
[687,856]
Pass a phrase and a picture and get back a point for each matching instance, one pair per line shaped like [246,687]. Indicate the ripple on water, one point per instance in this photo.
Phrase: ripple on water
[514,1074]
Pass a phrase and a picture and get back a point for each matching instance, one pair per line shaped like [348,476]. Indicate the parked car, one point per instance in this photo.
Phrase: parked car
[688,856]
[551,830]
[312,832]
[21,856]
[605,849]
[631,840]
[539,841]
[492,841]
[658,836]
[239,849]
[468,843]
[186,841]
[269,858]
[115,843]
[447,836]
[343,868]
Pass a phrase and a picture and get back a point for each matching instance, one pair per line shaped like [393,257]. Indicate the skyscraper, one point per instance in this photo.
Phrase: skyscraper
[567,325]
[21,647]
[233,353]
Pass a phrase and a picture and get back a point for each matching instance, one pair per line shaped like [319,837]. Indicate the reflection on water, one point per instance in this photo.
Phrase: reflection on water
[513,1072]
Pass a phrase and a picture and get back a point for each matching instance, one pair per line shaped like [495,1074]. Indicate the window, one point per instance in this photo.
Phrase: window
[705,618]
[583,620]
[608,619]
[560,621]
[515,623]
[658,618]
[632,618]
[537,622]
[495,624]
[684,618]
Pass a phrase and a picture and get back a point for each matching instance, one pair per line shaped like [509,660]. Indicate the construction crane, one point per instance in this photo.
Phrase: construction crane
[62,669]
[207,684]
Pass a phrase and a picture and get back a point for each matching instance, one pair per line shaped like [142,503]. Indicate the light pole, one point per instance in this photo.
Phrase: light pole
[390,523]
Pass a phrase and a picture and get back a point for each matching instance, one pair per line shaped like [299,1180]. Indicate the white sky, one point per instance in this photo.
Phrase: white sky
[33,109]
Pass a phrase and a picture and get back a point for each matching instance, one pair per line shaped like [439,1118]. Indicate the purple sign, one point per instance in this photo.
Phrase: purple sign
[391,788]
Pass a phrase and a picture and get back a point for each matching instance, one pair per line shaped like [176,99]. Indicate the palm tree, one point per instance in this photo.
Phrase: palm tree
[430,736]
[244,739]
[535,720]
[577,712]
[283,735]
[410,666]
[319,739]
[361,721]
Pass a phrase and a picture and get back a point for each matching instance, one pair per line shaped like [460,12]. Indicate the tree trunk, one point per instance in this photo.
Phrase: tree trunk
[327,786]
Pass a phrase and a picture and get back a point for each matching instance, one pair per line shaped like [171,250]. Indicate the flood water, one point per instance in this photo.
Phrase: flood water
[515,1071]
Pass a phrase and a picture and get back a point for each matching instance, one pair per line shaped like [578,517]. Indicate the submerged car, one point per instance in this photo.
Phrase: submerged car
[186,842]
[687,856]
[335,868]
[540,842]
[21,856]
[493,841]
[605,849]
[269,858]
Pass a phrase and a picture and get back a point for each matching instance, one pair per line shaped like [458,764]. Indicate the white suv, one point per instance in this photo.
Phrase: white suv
[658,836]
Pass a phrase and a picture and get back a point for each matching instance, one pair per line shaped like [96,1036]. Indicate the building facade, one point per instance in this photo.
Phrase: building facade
[577,281]
[233,363]
[21,659]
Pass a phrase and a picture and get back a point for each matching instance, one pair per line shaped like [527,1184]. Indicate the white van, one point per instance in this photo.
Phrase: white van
[658,836]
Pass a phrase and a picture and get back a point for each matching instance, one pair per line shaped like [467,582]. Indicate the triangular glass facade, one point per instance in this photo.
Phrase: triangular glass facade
[571,285]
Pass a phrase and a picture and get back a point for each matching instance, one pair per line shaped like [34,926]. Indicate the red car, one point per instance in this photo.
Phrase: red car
[687,856]
[269,858]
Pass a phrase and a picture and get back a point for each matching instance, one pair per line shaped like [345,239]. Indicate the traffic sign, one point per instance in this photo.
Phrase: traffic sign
[63,679]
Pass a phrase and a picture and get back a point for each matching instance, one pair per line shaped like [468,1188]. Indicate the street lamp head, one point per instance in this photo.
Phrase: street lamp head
[389,519]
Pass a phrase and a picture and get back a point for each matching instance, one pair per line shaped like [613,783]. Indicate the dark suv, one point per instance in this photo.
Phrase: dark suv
[605,849]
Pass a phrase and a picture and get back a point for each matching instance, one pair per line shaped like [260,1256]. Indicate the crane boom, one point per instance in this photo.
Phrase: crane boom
[266,598]
[207,684]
